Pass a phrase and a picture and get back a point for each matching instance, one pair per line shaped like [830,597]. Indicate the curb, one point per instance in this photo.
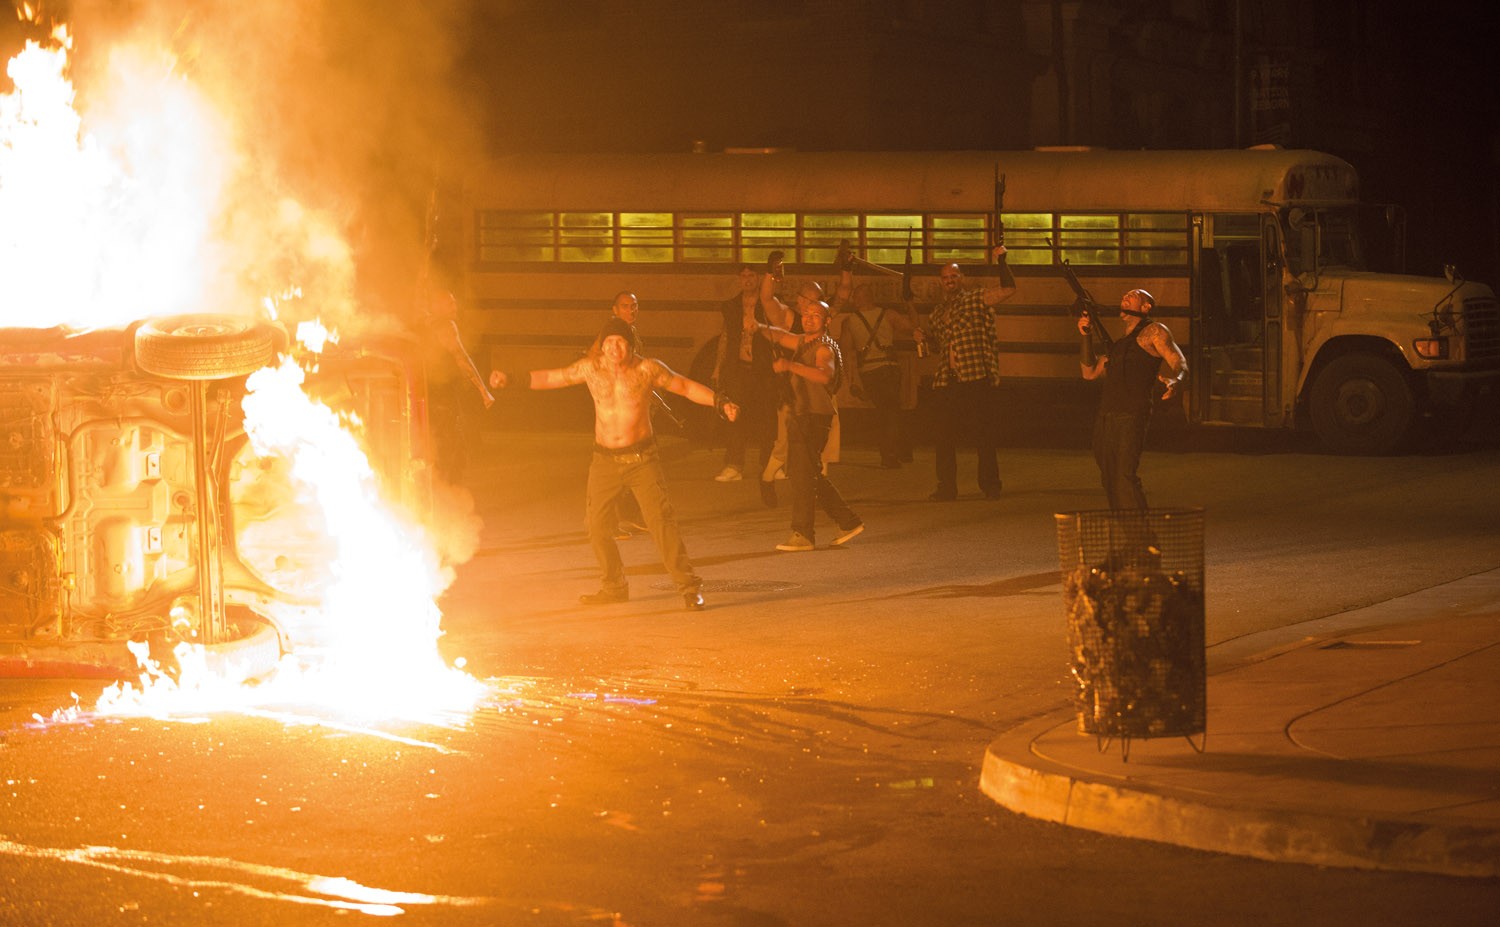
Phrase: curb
[1041,789]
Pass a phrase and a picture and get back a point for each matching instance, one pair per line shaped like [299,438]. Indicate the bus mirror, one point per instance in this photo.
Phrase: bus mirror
[1302,283]
[1296,218]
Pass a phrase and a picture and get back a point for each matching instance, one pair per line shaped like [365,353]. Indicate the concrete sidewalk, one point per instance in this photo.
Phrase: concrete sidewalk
[1368,739]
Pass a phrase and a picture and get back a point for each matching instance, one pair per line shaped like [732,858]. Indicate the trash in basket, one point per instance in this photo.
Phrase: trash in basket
[1133,590]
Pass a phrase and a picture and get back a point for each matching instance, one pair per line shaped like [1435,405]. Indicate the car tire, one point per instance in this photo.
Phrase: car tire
[203,346]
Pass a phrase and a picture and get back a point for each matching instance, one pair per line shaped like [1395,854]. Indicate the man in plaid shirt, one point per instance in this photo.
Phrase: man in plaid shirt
[961,332]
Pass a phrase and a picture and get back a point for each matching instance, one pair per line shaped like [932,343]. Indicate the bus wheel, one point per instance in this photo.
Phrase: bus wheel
[203,346]
[1361,404]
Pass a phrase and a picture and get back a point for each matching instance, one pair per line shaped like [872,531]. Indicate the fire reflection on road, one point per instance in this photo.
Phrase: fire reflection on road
[274,883]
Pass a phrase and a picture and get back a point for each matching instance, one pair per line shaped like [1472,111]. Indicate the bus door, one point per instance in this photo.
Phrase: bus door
[1236,342]
[1277,413]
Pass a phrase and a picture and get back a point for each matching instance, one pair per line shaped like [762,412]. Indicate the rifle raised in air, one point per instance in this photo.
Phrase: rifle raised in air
[1006,277]
[906,292]
[1085,304]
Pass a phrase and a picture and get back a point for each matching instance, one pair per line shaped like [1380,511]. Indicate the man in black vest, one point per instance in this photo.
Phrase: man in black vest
[1131,371]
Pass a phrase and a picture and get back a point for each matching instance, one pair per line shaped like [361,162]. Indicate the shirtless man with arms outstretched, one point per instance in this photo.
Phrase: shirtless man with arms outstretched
[625,453]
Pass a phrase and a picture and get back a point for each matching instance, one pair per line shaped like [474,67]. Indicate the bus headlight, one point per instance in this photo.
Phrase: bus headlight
[1431,348]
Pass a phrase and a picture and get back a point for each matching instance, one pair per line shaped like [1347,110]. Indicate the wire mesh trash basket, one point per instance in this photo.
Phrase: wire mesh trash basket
[1133,589]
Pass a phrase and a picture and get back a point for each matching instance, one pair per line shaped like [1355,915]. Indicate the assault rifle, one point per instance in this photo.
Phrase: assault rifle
[1085,303]
[1006,277]
[906,292]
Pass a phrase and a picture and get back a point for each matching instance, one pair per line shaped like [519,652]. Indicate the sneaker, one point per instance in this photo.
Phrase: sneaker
[729,475]
[693,601]
[632,527]
[943,496]
[849,535]
[780,473]
[605,597]
[796,543]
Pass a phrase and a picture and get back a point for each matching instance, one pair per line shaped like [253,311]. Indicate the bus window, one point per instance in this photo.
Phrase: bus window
[958,238]
[764,232]
[885,238]
[646,237]
[515,236]
[708,238]
[586,237]
[1087,239]
[1156,238]
[1028,237]
[821,235]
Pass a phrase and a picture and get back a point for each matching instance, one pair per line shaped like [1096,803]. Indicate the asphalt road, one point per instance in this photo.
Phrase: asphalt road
[804,752]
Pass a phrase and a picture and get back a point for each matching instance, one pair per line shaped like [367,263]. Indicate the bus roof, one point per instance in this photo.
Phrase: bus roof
[955,181]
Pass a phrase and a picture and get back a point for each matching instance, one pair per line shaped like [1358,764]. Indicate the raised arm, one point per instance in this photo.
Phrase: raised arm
[1090,365]
[777,311]
[1006,288]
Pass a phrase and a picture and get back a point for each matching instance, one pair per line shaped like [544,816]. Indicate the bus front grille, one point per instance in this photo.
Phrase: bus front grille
[1482,329]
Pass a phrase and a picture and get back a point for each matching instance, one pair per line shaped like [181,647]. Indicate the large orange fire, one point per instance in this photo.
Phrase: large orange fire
[130,213]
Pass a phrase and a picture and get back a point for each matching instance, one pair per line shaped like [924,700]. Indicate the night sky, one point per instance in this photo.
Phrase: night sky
[362,102]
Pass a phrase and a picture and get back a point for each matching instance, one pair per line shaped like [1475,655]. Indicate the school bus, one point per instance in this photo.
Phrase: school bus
[1262,261]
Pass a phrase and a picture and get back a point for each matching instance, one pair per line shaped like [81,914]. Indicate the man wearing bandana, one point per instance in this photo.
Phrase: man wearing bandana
[1131,371]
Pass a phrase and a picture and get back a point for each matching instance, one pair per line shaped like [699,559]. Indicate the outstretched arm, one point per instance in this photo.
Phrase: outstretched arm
[778,336]
[819,371]
[556,378]
[664,377]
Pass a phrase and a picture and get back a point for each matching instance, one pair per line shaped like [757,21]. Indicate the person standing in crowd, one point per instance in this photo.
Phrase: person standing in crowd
[808,293]
[869,335]
[742,369]
[625,453]
[815,369]
[961,333]
[1130,371]
[450,374]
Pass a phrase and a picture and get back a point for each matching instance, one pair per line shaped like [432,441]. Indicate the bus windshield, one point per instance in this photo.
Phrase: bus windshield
[1323,237]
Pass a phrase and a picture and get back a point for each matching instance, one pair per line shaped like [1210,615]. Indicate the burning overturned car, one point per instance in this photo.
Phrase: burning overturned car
[135,505]
[191,500]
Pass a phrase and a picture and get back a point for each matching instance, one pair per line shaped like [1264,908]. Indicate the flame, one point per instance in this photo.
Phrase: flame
[131,218]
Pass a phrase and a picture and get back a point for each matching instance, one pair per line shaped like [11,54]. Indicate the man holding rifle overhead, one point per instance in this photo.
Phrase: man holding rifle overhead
[961,333]
[1130,368]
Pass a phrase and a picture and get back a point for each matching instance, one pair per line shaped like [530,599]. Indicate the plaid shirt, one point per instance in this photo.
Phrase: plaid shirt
[964,330]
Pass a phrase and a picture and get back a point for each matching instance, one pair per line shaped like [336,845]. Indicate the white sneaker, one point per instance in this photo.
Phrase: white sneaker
[796,543]
[729,475]
[849,535]
[780,474]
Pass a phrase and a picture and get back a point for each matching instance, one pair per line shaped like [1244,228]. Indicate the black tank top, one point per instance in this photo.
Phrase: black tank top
[1130,378]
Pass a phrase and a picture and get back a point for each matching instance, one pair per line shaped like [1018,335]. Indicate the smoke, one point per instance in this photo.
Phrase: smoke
[337,119]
